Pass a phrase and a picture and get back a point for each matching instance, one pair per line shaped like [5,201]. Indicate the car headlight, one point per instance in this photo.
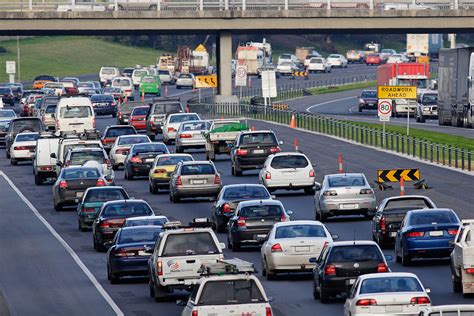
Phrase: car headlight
[361,101]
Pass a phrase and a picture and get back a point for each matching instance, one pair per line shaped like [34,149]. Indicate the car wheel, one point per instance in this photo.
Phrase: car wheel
[406,259]
[360,109]
[174,198]
[457,283]
[38,179]
[179,150]
[323,296]
[13,162]
[58,207]
[151,289]
[270,275]
[160,293]
[237,172]
[114,115]
[7,154]
[309,191]
[152,136]
[398,259]
[422,119]
[315,291]
[154,190]
[111,276]
[264,270]
[130,176]
[236,246]
[232,170]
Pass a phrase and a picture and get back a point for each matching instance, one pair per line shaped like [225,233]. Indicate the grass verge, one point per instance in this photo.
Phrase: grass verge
[333,89]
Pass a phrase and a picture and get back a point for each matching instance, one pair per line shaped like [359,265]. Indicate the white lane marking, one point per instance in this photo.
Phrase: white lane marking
[308,109]
[66,246]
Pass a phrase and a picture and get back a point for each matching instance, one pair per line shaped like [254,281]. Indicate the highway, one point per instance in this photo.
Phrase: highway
[292,294]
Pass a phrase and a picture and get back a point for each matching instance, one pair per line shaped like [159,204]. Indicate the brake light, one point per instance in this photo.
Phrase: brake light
[452,232]
[275,150]
[326,243]
[330,270]
[63,184]
[217,179]
[179,181]
[47,168]
[382,267]
[420,300]
[268,175]
[136,160]
[276,248]
[108,140]
[365,191]
[312,174]
[268,311]
[226,208]
[241,222]
[382,224]
[470,270]
[119,114]
[114,104]
[185,136]
[170,129]
[93,122]
[415,234]
[366,302]
[330,193]
[159,267]
[20,148]
[100,183]
[194,313]
[88,210]
[241,152]
[104,224]
[284,218]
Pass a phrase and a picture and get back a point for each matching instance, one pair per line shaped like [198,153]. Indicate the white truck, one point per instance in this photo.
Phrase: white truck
[462,259]
[219,137]
[424,45]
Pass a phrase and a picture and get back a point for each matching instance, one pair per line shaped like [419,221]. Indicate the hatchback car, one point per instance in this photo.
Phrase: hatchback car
[121,147]
[190,135]
[344,194]
[287,68]
[172,123]
[23,148]
[162,168]
[140,159]
[193,179]
[368,100]
[138,117]
[185,81]
[373,59]
[150,85]
[104,104]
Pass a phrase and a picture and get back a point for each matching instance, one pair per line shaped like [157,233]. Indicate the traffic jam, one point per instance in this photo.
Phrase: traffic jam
[90,141]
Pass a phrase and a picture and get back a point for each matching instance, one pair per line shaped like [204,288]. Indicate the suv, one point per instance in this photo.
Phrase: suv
[159,110]
[79,156]
[426,106]
[178,256]
[251,149]
[21,125]
[71,141]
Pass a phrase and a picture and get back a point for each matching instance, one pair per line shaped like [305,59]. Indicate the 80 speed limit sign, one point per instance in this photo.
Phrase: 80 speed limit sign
[384,107]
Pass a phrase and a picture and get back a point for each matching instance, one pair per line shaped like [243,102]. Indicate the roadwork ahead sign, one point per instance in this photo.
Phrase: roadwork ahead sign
[396,92]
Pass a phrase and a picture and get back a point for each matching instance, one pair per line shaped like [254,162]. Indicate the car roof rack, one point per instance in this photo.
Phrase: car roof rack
[226,267]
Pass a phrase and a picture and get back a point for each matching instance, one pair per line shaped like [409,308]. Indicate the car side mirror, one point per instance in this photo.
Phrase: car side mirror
[388,257]
[273,196]
[230,145]
[280,142]
[212,199]
[289,212]
[181,303]
[53,155]
[108,244]
[270,299]
[313,260]
[149,250]
[428,290]
[317,186]
[58,163]
[335,236]
[222,245]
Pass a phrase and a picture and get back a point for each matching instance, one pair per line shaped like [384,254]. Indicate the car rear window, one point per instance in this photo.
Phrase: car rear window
[183,118]
[167,108]
[149,79]
[172,160]
[390,284]
[346,181]
[290,161]
[431,218]
[80,157]
[26,137]
[189,244]
[4,90]
[188,170]
[355,253]
[144,234]
[133,140]
[150,148]
[185,76]
[228,292]
[246,192]
[104,195]
[80,173]
[256,211]
[300,231]
[86,145]
[163,72]
[194,126]
[102,98]
[7,114]
[75,112]
[140,111]
[146,222]
[316,60]
[119,131]
[33,125]
[258,138]
[406,204]
[50,109]
[122,82]
[127,210]
[430,99]
[108,71]
[140,73]
[369,94]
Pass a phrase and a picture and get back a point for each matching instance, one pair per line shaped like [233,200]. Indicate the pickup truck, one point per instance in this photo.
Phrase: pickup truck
[462,259]
[222,133]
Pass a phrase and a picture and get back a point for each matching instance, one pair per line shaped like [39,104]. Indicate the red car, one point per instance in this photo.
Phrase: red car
[373,59]
[138,117]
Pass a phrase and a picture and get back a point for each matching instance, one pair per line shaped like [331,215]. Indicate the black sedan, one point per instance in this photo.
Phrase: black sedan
[71,184]
[7,95]
[129,251]
[368,100]
[104,104]
[140,159]
[229,198]
[111,218]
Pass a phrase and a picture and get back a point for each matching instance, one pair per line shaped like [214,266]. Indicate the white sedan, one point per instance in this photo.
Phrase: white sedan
[121,147]
[172,123]
[291,245]
[185,81]
[23,147]
[319,64]
[393,293]
[397,59]
[336,60]
[287,68]
[288,171]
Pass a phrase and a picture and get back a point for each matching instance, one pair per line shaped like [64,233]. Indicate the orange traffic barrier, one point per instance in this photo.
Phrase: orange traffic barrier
[402,187]
[143,95]
[340,163]
[296,143]
[293,121]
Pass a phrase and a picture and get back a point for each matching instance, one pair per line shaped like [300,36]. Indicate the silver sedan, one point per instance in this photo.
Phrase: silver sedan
[344,194]
[190,135]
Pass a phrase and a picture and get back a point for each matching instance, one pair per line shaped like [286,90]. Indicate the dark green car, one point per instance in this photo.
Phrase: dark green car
[150,85]
[92,202]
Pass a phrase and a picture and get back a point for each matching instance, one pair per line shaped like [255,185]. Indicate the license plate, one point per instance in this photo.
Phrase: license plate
[79,194]
[258,151]
[394,308]
[198,181]
[302,249]
[393,234]
[348,206]
[350,281]
[149,160]
[436,233]
[261,236]
[143,253]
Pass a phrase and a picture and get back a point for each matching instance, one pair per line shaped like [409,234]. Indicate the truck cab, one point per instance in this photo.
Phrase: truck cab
[462,259]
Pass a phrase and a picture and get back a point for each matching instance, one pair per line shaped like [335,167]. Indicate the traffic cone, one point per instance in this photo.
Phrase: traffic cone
[143,95]
[402,187]
[296,143]
[340,163]
[293,121]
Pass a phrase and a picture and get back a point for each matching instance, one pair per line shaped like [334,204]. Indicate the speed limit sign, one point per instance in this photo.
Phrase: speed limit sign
[241,75]
[384,109]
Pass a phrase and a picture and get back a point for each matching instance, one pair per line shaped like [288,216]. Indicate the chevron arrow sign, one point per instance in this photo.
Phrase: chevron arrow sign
[395,175]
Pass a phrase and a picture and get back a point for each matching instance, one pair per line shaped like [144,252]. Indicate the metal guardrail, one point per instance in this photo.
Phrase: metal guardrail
[441,154]
[231,5]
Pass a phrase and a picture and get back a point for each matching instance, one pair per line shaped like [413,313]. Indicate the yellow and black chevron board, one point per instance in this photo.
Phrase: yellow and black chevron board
[395,175]
[299,74]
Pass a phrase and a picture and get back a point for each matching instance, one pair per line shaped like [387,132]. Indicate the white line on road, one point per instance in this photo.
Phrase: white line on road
[308,109]
[66,246]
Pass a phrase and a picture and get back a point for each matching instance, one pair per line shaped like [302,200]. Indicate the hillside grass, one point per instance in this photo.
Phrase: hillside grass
[333,89]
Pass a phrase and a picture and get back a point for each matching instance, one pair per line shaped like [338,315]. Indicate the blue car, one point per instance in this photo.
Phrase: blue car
[426,234]
[129,251]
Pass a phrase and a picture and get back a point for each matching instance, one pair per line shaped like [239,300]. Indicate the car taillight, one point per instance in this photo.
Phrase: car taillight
[159,267]
[104,224]
[452,232]
[268,175]
[114,104]
[68,163]
[119,114]
[365,191]
[185,136]
[470,270]
[330,193]
[330,270]
[268,311]
[46,168]
[275,150]
[194,313]
[241,152]
[100,183]
[312,174]
[57,124]
[20,148]
[93,123]
[284,218]
[276,248]
[382,267]
[63,184]
[226,208]
[415,234]
[136,159]
[382,224]
[326,243]
[366,302]
[241,222]
[88,210]
[217,179]
[420,300]
[170,129]
[179,181]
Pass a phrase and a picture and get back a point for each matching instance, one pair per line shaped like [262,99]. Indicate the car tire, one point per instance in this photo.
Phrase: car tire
[7,154]
[112,277]
[152,137]
[114,115]
[360,109]
[179,150]
[151,289]
[457,283]
[174,198]
[237,172]
[229,244]
[271,276]
[422,119]
[160,293]
[13,162]
[38,179]
[130,176]
[315,291]
[309,191]
[97,246]
[58,207]
[115,167]
[236,247]
[323,296]
[264,270]
[153,189]
[406,259]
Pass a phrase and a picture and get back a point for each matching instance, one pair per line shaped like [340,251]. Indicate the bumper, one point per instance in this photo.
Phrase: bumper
[198,191]
[129,266]
[368,106]
[292,184]
[198,143]
[86,219]
[339,285]
[293,262]
[105,235]
[250,163]
[253,236]
[139,125]
[70,197]
[430,113]
[105,110]
[428,248]
[22,155]
[161,182]
[347,207]
[140,169]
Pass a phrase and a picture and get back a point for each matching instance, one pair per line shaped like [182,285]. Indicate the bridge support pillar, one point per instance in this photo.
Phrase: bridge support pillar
[224,63]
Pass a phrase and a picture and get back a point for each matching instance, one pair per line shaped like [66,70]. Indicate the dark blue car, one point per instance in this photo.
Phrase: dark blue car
[104,104]
[130,250]
[426,234]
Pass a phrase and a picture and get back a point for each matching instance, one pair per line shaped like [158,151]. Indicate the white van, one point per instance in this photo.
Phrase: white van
[106,74]
[126,85]
[74,115]
[44,166]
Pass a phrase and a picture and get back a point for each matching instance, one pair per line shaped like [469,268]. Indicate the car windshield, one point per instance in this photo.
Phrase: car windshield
[387,51]
[159,221]
[289,162]
[26,137]
[140,73]
[119,131]
[228,292]
[316,61]
[183,118]
[7,114]
[172,160]
[353,253]
[53,85]
[246,192]
[433,218]
[373,55]
[28,124]
[104,195]
[127,210]
[430,98]
[163,72]
[102,98]
[4,90]
[125,82]
[256,211]
[194,126]
[258,138]
[285,56]
[167,108]
[390,284]
[149,79]
[75,112]
[300,231]
[150,148]
[369,94]
[406,204]
[80,173]
[346,181]
[133,140]
[190,244]
[334,56]
[80,157]
[140,111]
[50,78]
[143,234]
[188,170]
[50,109]
[85,85]
[108,71]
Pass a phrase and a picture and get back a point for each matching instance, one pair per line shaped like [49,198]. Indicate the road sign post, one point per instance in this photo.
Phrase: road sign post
[269,88]
[384,111]
[10,67]
[241,77]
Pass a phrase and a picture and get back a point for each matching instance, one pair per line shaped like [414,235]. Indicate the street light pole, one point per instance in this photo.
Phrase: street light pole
[18,57]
